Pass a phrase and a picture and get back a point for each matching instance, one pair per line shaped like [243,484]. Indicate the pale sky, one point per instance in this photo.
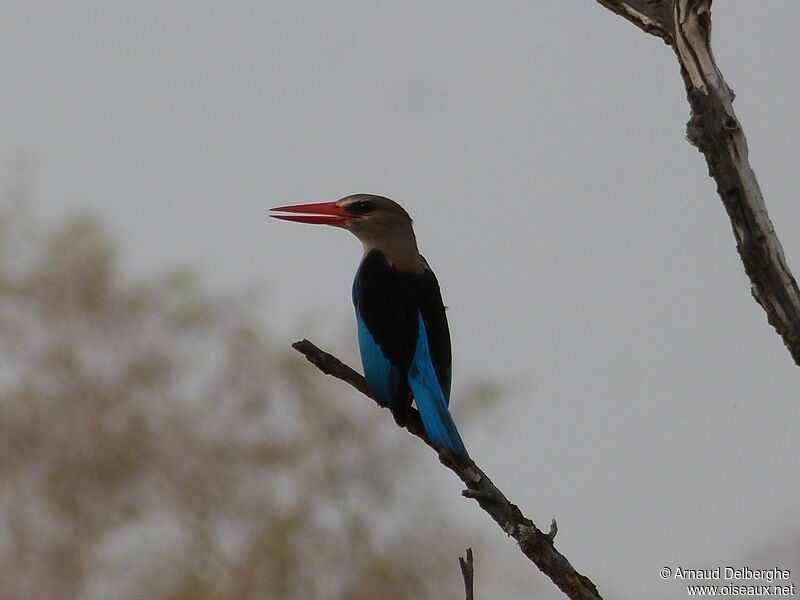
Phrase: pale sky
[581,247]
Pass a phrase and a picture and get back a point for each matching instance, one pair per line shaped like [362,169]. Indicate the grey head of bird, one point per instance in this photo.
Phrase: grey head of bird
[378,222]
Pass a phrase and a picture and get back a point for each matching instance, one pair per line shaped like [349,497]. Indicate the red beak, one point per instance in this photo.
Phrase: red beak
[322,213]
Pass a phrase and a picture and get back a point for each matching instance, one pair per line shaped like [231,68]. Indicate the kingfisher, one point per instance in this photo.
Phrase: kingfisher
[403,336]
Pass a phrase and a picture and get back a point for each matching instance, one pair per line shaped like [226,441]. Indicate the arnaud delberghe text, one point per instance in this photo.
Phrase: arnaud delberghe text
[733,573]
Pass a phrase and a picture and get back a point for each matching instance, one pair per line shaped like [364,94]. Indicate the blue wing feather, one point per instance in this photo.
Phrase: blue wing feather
[391,302]
[431,399]
[384,380]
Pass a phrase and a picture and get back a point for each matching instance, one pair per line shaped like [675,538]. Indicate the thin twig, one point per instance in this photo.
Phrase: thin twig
[535,544]
[468,573]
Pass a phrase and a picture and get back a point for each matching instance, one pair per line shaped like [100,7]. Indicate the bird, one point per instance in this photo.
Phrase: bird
[403,334]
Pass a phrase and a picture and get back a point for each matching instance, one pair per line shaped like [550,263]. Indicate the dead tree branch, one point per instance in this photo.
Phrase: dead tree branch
[535,544]
[714,129]
[468,573]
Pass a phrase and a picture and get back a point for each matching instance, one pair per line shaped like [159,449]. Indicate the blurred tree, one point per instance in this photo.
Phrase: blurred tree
[154,445]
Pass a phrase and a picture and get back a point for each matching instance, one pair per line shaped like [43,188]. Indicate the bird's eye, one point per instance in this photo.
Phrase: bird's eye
[362,207]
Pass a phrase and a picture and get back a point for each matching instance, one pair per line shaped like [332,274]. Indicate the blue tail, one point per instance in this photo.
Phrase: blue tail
[430,398]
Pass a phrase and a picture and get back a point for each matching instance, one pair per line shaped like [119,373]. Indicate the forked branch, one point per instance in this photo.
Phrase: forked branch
[714,129]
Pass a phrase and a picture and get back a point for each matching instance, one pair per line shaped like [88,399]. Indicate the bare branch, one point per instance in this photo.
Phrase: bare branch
[535,544]
[714,129]
[468,572]
[652,17]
